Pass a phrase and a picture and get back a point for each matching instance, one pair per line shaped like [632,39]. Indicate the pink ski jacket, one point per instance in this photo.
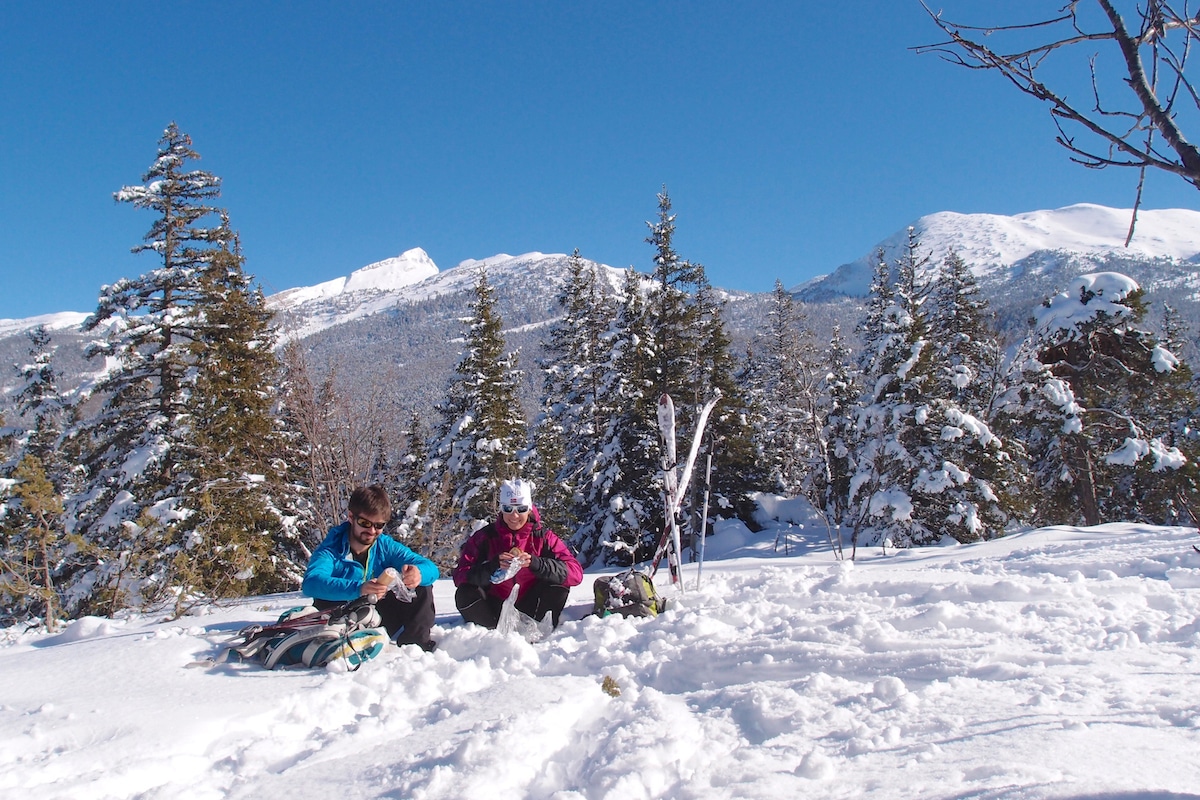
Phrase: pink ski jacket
[552,561]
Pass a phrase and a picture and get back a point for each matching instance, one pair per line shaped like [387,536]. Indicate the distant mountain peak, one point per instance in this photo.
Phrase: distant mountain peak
[996,245]
[411,266]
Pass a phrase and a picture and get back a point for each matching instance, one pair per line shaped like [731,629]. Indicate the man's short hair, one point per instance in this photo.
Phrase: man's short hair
[371,501]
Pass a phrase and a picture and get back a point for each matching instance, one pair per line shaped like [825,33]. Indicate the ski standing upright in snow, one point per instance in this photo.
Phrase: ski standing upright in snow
[675,485]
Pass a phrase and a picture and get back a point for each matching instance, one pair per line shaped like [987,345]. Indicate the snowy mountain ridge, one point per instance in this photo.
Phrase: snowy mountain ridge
[1025,258]
[58,321]
[410,278]
[405,269]
[1001,249]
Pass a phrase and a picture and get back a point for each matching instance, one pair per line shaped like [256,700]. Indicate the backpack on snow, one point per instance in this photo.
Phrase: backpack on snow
[630,594]
[313,638]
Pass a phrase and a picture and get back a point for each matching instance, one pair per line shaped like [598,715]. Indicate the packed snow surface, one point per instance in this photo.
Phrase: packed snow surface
[1055,663]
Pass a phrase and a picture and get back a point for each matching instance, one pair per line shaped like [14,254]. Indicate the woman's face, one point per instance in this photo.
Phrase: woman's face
[515,516]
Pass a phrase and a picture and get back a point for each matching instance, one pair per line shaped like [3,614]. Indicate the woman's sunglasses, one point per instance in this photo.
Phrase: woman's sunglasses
[514,509]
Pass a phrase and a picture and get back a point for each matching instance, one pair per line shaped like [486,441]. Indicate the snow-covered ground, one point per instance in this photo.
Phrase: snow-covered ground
[1056,663]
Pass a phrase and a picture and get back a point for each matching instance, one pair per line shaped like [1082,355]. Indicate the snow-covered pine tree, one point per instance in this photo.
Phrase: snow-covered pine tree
[482,429]
[737,469]
[1101,403]
[692,361]
[149,326]
[897,368]
[838,396]
[784,384]
[545,466]
[673,318]
[882,345]
[571,391]
[623,495]
[413,501]
[968,484]
[40,402]
[239,536]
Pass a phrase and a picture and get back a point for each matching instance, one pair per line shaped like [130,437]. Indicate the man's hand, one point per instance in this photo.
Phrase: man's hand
[411,576]
[375,587]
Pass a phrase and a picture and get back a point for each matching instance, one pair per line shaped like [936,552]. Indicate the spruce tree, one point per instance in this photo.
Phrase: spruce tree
[623,508]
[673,318]
[1111,452]
[40,401]
[783,363]
[692,362]
[237,538]
[968,485]
[482,428]
[897,365]
[573,409]
[838,397]
[149,325]
[737,460]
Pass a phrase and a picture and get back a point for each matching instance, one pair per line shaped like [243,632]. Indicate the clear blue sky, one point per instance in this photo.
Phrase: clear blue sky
[792,136]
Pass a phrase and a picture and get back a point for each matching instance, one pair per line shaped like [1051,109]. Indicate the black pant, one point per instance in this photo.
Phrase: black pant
[478,605]
[412,621]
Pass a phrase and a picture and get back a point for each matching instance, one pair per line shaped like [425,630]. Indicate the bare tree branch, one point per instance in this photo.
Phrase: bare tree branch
[1143,130]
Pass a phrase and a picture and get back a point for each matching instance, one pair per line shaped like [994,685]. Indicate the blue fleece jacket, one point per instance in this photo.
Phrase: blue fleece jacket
[333,573]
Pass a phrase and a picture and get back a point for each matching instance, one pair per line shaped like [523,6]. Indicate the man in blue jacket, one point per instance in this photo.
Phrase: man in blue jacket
[351,561]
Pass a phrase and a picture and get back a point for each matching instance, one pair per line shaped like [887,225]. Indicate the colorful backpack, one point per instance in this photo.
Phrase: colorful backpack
[313,638]
[630,594]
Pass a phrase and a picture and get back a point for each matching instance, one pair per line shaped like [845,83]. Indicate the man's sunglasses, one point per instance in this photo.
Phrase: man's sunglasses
[363,522]
[514,509]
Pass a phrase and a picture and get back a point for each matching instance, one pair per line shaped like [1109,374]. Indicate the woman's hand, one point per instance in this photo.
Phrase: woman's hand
[515,554]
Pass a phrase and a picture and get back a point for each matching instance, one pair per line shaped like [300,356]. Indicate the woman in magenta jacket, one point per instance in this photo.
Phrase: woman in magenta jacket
[545,568]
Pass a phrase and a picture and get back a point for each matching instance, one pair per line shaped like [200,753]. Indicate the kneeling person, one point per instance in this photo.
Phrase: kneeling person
[351,560]
[546,566]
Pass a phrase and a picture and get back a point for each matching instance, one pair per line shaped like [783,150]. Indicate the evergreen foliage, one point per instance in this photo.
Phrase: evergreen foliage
[926,462]
[33,545]
[150,325]
[236,539]
[738,468]
[482,428]
[567,434]
[782,376]
[623,499]
[839,392]
[39,399]
[969,485]
[1108,409]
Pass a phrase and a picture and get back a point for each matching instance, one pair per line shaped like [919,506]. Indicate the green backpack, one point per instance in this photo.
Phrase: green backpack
[630,594]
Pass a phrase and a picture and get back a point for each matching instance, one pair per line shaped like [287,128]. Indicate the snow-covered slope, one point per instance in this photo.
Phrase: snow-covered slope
[363,292]
[1000,248]
[60,321]
[412,278]
[1049,664]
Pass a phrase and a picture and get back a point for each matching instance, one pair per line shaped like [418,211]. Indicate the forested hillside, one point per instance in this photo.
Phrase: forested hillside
[187,443]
